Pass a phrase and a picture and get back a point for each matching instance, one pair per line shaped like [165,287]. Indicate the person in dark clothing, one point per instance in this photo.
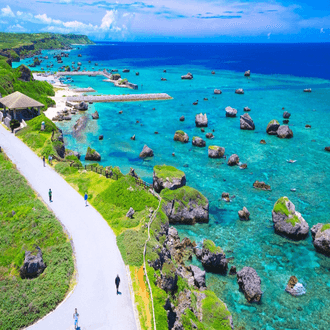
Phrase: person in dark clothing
[50,195]
[117,281]
[43,160]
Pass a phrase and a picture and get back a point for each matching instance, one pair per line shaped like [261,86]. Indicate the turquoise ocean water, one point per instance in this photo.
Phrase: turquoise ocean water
[250,243]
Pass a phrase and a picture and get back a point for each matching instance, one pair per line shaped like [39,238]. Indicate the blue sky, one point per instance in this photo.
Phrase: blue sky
[173,20]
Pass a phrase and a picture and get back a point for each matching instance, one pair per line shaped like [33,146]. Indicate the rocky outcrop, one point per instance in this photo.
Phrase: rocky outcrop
[239,91]
[168,279]
[132,173]
[321,238]
[244,214]
[209,136]
[216,152]
[287,221]
[233,160]
[250,283]
[272,127]
[33,265]
[327,148]
[182,118]
[130,213]
[25,73]
[59,148]
[92,154]
[217,91]
[261,185]
[82,106]
[213,258]
[199,276]
[294,287]
[198,142]
[187,76]
[246,122]
[181,136]
[185,205]
[246,109]
[80,125]
[247,73]
[201,120]
[225,196]
[284,132]
[168,177]
[95,115]
[286,115]
[146,152]
[230,112]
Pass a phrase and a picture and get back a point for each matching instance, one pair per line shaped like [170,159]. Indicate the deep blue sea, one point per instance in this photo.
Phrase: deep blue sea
[279,73]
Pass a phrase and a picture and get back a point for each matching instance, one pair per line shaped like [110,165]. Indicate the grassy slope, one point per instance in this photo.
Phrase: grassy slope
[24,301]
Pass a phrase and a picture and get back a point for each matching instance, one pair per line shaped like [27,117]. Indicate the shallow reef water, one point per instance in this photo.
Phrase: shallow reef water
[251,243]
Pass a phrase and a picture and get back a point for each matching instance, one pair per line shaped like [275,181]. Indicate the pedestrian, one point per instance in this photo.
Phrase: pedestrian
[75,317]
[43,160]
[50,159]
[117,281]
[50,195]
[86,197]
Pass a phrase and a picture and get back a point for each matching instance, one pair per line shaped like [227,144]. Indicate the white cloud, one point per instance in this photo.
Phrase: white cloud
[322,30]
[108,19]
[19,13]
[268,35]
[6,11]
[16,28]
[47,20]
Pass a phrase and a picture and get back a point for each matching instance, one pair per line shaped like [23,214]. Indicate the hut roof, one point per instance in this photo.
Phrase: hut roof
[18,100]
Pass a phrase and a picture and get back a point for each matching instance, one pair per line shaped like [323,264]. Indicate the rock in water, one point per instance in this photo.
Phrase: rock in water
[92,154]
[247,73]
[130,213]
[201,120]
[95,115]
[233,160]
[287,221]
[101,137]
[249,282]
[182,118]
[230,112]
[261,185]
[239,91]
[284,132]
[321,238]
[146,152]
[169,177]
[82,106]
[209,136]
[244,214]
[33,266]
[286,115]
[199,276]
[232,270]
[272,127]
[216,152]
[294,287]
[185,205]
[246,109]
[187,76]
[213,258]
[198,142]
[246,122]
[80,125]
[217,91]
[181,136]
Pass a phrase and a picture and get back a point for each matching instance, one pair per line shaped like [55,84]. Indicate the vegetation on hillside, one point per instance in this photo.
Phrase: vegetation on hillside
[25,222]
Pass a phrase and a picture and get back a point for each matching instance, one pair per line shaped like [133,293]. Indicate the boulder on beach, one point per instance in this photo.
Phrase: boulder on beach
[272,127]
[181,136]
[247,73]
[82,106]
[246,122]
[287,221]
[187,76]
[217,91]
[286,115]
[33,265]
[321,238]
[146,152]
[212,257]
[284,132]
[198,142]
[239,91]
[261,185]
[95,115]
[92,154]
[216,152]
[185,205]
[201,120]
[244,214]
[230,112]
[250,283]
[233,160]
[167,177]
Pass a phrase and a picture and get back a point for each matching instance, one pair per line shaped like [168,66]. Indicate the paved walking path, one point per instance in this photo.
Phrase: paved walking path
[97,255]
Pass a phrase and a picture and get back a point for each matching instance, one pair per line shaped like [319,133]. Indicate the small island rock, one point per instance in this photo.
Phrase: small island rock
[239,91]
[230,112]
[244,214]
[321,238]
[216,152]
[286,115]
[95,115]
[250,283]
[284,132]
[246,122]
[201,120]
[181,136]
[233,160]
[187,76]
[182,118]
[198,142]
[92,154]
[272,127]
[261,185]
[217,91]
[146,152]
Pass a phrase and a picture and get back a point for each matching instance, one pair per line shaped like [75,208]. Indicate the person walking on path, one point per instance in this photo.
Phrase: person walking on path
[86,197]
[117,281]
[50,195]
[75,317]
[43,160]
[50,159]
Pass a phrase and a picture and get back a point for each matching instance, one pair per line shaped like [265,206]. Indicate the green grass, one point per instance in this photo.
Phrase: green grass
[166,171]
[325,227]
[24,301]
[293,220]
[180,132]
[213,147]
[209,245]
[280,206]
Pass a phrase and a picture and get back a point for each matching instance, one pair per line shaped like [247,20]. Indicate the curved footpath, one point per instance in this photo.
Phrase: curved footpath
[98,259]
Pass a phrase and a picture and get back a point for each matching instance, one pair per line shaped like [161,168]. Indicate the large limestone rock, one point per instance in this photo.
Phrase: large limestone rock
[168,280]
[92,154]
[130,213]
[230,112]
[82,106]
[25,73]
[95,115]
[284,132]
[287,221]
[167,177]
[201,120]
[187,76]
[250,283]
[216,152]
[79,125]
[198,142]
[321,238]
[286,115]
[185,205]
[33,265]
[244,214]
[246,122]
[272,127]
[181,136]
[233,160]
[146,152]
[213,258]
[199,276]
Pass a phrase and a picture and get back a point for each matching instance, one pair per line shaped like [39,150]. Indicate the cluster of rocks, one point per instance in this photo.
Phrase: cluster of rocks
[282,131]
